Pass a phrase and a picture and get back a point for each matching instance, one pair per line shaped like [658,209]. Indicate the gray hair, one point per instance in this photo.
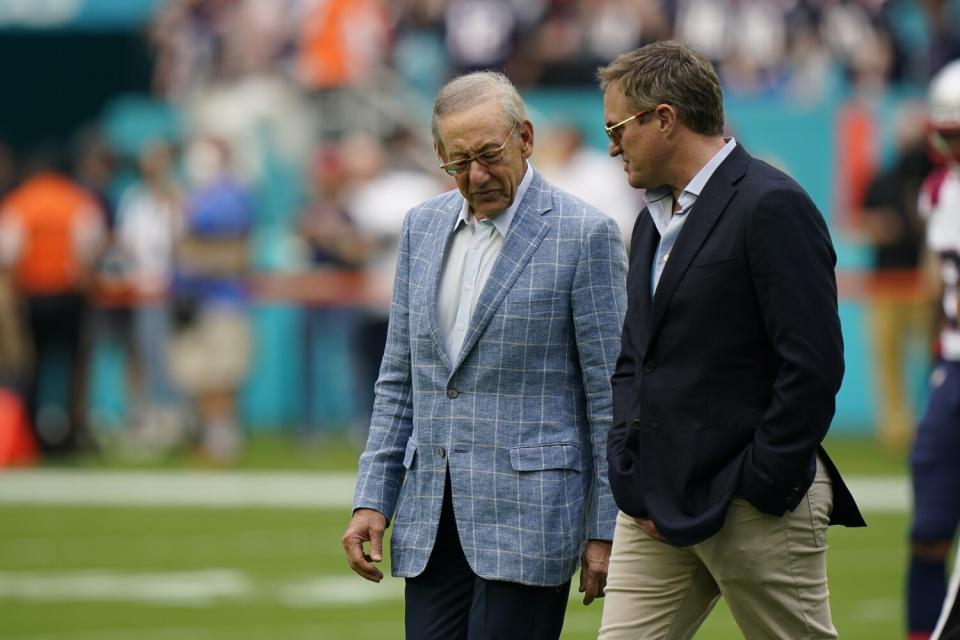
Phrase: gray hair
[468,90]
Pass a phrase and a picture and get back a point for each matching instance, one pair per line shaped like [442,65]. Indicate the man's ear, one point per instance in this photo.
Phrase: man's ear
[667,119]
[526,138]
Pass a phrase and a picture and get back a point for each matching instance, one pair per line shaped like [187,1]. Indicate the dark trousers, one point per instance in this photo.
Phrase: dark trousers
[57,391]
[448,601]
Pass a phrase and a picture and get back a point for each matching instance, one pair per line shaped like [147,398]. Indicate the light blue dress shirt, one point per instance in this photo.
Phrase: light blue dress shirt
[668,223]
[474,247]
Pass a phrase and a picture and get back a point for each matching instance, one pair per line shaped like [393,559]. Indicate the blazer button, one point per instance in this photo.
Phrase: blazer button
[648,366]
[452,393]
[441,452]
[637,424]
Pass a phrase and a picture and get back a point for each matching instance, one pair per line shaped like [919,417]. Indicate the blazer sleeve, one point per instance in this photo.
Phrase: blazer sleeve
[381,470]
[792,265]
[598,301]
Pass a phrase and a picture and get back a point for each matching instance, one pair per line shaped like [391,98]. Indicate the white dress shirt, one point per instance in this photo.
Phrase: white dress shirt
[474,247]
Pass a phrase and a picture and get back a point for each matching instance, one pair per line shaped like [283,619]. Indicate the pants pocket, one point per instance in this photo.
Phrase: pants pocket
[820,503]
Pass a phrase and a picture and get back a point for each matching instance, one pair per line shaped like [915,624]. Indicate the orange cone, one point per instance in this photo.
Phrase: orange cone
[17,446]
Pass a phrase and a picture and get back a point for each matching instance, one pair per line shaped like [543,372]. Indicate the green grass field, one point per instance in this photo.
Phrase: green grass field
[110,573]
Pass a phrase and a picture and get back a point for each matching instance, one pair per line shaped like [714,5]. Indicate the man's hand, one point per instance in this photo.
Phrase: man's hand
[367,525]
[650,529]
[593,569]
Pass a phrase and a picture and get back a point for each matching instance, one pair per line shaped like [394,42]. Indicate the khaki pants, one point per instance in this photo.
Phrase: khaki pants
[771,570]
[894,324]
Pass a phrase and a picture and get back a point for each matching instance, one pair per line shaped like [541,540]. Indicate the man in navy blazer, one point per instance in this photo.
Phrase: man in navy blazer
[487,442]
[730,361]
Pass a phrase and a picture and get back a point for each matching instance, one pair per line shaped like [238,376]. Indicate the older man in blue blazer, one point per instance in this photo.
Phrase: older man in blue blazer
[486,447]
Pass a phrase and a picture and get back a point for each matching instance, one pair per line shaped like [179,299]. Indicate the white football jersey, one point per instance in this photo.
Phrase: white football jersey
[940,206]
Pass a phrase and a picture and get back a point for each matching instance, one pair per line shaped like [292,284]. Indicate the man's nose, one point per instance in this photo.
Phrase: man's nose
[614,149]
[478,173]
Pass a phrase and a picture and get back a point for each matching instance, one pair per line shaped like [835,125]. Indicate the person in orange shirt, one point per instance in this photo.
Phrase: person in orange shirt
[51,233]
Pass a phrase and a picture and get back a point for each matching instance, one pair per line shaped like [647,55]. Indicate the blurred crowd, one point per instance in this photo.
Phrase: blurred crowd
[305,139]
[797,46]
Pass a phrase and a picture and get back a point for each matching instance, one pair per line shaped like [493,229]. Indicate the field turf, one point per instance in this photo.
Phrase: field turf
[111,573]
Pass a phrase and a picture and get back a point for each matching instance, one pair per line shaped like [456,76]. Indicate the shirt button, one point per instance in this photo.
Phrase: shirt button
[637,424]
[441,452]
[468,286]
[460,327]
[648,366]
[452,393]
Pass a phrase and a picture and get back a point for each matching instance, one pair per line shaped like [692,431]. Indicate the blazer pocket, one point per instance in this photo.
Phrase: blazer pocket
[409,456]
[709,269]
[560,455]
[530,307]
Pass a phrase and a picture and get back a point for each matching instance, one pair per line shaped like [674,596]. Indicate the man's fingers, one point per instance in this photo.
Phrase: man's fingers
[376,544]
[650,529]
[591,586]
[359,562]
[366,525]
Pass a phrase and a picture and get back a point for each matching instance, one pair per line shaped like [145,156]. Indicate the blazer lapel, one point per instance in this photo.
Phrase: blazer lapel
[647,239]
[711,203]
[525,234]
[437,253]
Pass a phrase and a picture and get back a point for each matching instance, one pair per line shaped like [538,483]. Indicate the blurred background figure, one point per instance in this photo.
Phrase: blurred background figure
[150,223]
[210,350]
[566,160]
[894,231]
[333,241]
[398,166]
[936,450]
[51,234]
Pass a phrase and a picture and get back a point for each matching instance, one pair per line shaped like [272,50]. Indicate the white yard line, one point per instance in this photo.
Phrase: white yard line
[266,489]
[177,488]
[201,588]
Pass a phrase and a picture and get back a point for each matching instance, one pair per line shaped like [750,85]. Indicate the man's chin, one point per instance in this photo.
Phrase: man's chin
[488,207]
[635,181]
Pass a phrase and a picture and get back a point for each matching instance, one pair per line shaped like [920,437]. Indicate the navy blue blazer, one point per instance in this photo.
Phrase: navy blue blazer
[726,381]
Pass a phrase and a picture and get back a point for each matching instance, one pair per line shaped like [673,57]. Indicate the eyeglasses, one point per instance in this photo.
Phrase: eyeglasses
[612,130]
[486,158]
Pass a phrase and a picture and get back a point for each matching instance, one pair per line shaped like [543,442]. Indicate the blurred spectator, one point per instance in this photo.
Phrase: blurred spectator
[342,42]
[94,168]
[187,37]
[480,33]
[51,233]
[150,220]
[590,174]
[14,354]
[893,228]
[943,23]
[376,170]
[211,347]
[332,241]
[342,45]
[331,237]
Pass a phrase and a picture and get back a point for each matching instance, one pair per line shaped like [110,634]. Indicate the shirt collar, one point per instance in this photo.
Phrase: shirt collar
[700,180]
[502,221]
[659,202]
